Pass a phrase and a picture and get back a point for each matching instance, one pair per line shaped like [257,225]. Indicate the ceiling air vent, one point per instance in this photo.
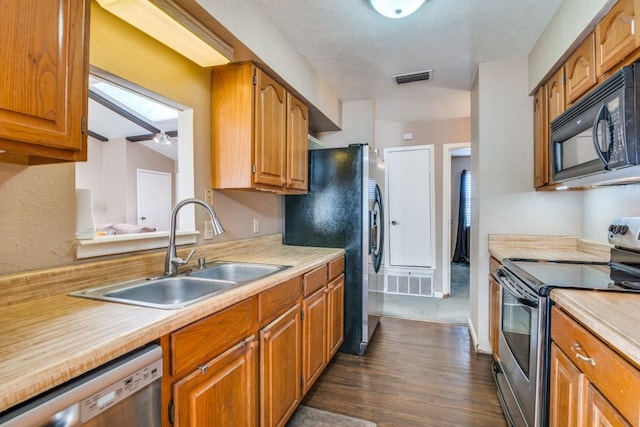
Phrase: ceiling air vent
[412,77]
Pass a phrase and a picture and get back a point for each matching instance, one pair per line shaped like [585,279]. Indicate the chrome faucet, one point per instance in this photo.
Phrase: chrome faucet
[173,261]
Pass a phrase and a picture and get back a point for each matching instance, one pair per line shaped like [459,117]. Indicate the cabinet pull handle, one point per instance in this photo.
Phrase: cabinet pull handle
[577,348]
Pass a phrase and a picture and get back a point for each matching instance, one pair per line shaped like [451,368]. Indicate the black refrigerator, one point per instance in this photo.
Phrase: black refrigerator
[343,209]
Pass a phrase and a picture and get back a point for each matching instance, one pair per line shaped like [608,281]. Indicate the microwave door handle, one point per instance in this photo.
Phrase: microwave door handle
[603,114]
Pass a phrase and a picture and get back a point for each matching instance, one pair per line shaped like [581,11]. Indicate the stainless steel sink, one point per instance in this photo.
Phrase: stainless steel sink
[166,292]
[239,272]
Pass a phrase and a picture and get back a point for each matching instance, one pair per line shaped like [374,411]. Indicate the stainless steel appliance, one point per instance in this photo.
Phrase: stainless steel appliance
[595,142]
[343,209]
[522,376]
[124,392]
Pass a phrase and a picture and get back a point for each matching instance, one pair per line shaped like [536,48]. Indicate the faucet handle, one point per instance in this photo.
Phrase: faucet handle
[180,261]
[193,251]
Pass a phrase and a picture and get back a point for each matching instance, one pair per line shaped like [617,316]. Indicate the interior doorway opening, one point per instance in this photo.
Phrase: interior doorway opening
[455,159]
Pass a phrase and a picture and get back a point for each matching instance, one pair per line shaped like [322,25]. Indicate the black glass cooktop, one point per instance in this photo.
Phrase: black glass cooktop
[541,276]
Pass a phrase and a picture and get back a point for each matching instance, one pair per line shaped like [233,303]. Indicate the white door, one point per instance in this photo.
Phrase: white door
[409,195]
[154,199]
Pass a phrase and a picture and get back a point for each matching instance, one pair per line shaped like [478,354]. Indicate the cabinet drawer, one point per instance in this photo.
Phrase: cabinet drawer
[314,280]
[275,301]
[336,268]
[616,379]
[203,340]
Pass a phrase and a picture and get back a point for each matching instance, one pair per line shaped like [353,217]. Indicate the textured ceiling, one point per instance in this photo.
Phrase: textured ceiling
[357,51]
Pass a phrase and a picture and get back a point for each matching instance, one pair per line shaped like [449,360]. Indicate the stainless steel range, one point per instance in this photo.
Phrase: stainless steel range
[522,375]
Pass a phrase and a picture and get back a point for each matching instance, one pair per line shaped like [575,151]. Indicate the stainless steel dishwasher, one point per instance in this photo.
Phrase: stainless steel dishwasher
[123,392]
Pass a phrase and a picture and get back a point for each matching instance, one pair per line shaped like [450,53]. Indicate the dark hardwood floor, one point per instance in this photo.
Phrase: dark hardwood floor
[413,374]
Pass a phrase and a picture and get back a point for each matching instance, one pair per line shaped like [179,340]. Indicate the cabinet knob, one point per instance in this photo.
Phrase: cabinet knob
[394,222]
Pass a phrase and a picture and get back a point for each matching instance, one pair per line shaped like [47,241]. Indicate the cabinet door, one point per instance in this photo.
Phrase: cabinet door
[44,69]
[222,392]
[615,36]
[541,131]
[555,96]
[314,337]
[280,369]
[600,412]
[270,134]
[494,315]
[580,70]
[297,144]
[335,316]
[567,387]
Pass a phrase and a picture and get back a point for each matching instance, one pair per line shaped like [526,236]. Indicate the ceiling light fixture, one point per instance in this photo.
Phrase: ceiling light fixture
[171,25]
[396,8]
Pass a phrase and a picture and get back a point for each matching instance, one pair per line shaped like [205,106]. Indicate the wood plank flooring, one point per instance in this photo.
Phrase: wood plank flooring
[413,374]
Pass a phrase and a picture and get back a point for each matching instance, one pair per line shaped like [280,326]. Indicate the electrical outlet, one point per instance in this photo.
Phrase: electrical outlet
[208,230]
[208,196]
[256,225]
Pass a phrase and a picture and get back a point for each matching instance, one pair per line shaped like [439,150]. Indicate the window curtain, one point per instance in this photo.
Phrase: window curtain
[461,254]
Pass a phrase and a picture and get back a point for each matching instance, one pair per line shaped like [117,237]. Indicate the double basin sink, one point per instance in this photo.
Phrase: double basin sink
[180,291]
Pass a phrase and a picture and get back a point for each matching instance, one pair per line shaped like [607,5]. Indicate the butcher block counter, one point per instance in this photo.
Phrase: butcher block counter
[49,337]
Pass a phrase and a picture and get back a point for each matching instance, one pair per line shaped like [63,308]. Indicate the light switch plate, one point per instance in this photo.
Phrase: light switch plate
[256,225]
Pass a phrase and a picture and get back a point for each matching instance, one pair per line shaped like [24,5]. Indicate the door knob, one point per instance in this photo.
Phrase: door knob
[143,218]
[394,223]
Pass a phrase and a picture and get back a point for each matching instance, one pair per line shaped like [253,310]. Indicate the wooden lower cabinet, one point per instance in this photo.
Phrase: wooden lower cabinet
[222,392]
[600,412]
[567,391]
[494,308]
[314,337]
[217,373]
[335,316]
[280,368]
[590,384]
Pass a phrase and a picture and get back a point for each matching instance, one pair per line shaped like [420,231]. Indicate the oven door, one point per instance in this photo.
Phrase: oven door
[518,346]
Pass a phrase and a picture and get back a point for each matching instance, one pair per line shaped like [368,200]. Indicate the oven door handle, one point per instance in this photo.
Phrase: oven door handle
[520,296]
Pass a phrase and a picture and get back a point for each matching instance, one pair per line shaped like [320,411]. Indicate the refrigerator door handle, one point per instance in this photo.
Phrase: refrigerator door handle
[379,230]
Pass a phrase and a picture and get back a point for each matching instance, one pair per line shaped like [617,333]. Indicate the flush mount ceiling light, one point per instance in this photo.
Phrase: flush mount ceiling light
[171,25]
[396,8]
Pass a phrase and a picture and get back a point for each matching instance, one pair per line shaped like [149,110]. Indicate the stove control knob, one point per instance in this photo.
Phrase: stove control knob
[611,228]
[623,229]
[614,229]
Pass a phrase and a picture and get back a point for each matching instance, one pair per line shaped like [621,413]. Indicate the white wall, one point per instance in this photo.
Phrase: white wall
[358,125]
[502,166]
[600,206]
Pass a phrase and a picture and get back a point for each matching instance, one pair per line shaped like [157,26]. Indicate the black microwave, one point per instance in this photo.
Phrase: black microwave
[595,141]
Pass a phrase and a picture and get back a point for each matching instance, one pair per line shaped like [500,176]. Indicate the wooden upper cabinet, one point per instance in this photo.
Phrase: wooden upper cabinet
[541,158]
[555,95]
[259,132]
[297,135]
[270,133]
[580,70]
[616,35]
[44,72]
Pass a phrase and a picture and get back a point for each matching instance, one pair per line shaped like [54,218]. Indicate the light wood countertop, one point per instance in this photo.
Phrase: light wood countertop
[558,248]
[49,340]
[612,316]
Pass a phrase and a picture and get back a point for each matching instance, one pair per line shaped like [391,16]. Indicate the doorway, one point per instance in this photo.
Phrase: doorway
[153,198]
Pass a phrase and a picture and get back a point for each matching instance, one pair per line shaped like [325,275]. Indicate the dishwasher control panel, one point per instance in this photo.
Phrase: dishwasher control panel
[104,399]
